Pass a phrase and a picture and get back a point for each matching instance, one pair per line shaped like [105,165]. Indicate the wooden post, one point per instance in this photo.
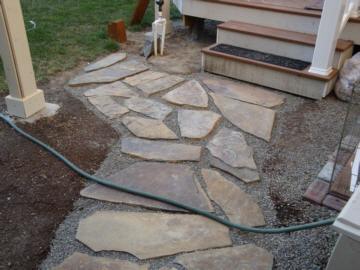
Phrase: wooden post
[139,12]
[117,31]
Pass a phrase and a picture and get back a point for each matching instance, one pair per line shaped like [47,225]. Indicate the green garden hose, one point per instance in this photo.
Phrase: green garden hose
[193,210]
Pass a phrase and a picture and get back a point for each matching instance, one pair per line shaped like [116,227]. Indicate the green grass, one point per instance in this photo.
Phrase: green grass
[71,31]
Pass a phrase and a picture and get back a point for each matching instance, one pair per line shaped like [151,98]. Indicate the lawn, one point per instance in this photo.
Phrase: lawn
[71,31]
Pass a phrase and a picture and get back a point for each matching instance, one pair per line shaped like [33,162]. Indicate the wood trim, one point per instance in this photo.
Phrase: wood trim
[301,73]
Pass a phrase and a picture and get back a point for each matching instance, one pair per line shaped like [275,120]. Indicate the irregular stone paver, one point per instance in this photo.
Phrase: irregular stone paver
[246,257]
[190,93]
[108,106]
[197,124]
[150,235]
[158,85]
[173,181]
[230,146]
[79,261]
[116,89]
[244,92]
[251,118]
[244,174]
[163,151]
[110,74]
[148,128]
[144,77]
[237,205]
[106,62]
[148,107]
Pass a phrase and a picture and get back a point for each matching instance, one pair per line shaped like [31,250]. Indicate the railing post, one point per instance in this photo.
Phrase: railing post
[328,34]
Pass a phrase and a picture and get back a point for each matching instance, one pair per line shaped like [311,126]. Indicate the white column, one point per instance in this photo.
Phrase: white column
[166,14]
[356,12]
[328,34]
[24,99]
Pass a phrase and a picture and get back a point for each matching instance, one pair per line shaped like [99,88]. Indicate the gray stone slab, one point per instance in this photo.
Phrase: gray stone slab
[158,85]
[148,128]
[239,207]
[173,181]
[108,106]
[78,261]
[150,235]
[116,89]
[110,74]
[230,146]
[190,93]
[197,124]
[252,119]
[162,151]
[246,257]
[106,61]
[148,107]
[244,92]
[326,172]
[144,77]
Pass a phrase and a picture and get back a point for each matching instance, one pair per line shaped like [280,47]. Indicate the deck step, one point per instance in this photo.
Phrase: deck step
[240,64]
[277,41]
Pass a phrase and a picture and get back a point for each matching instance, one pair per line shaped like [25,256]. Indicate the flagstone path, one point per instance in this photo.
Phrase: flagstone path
[156,143]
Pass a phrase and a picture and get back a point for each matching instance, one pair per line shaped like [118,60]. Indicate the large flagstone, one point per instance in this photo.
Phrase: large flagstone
[108,106]
[110,74]
[106,61]
[148,107]
[158,150]
[116,89]
[250,118]
[190,93]
[197,124]
[80,261]
[148,128]
[158,85]
[173,181]
[246,257]
[144,77]
[238,206]
[244,92]
[150,235]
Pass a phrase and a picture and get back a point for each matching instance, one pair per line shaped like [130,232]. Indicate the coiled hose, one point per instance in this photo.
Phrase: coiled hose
[191,209]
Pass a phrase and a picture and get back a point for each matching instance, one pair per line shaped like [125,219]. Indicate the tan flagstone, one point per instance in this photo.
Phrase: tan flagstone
[245,257]
[158,150]
[250,118]
[144,77]
[190,93]
[174,181]
[148,107]
[239,207]
[148,128]
[116,89]
[106,61]
[78,261]
[150,235]
[244,92]
[108,106]
[197,124]
[158,85]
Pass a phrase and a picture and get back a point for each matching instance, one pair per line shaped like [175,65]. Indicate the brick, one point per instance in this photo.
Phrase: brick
[333,202]
[317,191]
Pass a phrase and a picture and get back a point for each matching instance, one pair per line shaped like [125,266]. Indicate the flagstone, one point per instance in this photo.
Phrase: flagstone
[108,106]
[158,150]
[110,74]
[148,128]
[158,85]
[116,89]
[239,207]
[174,181]
[245,257]
[79,261]
[190,93]
[197,124]
[148,107]
[106,61]
[244,92]
[253,119]
[244,174]
[144,77]
[150,235]
[230,146]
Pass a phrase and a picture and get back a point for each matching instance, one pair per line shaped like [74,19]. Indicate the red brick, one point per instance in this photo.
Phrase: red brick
[333,202]
[317,191]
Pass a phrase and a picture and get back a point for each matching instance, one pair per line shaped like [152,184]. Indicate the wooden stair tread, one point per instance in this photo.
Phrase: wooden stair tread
[301,73]
[279,34]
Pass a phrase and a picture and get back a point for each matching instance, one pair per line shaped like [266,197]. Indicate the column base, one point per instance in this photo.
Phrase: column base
[27,106]
[321,71]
